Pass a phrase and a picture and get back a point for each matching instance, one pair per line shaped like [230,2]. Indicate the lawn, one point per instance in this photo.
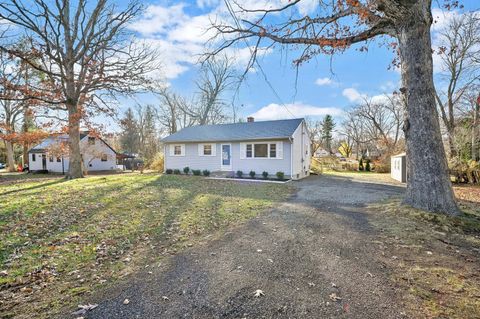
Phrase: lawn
[60,240]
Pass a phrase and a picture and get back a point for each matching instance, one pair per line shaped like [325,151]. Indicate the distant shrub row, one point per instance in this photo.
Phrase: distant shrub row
[186,171]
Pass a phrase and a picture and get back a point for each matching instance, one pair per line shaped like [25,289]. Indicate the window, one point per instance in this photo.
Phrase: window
[177,150]
[50,159]
[104,158]
[34,157]
[59,159]
[260,150]
[207,149]
[249,150]
[91,140]
[273,150]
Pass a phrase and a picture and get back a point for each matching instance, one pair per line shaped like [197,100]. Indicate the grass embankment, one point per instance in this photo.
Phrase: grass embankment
[60,240]
[433,257]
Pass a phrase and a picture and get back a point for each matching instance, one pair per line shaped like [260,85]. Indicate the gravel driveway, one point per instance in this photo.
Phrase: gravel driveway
[311,256]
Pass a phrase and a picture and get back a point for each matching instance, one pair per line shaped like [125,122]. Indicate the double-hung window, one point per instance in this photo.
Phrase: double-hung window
[262,150]
[207,149]
[177,150]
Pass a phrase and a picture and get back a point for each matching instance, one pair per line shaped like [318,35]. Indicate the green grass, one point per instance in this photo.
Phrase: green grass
[436,262]
[60,239]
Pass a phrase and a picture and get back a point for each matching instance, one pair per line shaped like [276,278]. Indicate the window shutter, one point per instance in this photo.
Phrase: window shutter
[200,149]
[280,150]
[171,149]
[243,150]
[214,149]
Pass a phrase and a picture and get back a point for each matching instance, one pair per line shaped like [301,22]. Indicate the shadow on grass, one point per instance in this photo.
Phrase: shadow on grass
[43,185]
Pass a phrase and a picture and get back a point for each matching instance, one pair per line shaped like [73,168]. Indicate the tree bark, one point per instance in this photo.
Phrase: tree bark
[428,182]
[10,156]
[475,124]
[75,159]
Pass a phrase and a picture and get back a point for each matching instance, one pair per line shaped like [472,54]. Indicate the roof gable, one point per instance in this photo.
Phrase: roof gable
[236,131]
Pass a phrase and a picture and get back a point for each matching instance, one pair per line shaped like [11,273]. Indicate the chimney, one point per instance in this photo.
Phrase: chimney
[250,119]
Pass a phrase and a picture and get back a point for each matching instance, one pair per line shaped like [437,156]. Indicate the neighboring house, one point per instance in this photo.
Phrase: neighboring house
[320,152]
[52,155]
[398,169]
[271,146]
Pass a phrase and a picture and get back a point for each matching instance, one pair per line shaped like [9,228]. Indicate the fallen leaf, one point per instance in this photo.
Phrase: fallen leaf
[334,297]
[259,250]
[270,260]
[258,293]
[311,284]
[165,298]
[126,302]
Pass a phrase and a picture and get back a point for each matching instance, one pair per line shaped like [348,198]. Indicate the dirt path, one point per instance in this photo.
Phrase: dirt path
[302,255]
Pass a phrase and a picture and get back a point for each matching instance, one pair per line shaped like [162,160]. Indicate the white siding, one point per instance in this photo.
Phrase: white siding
[91,158]
[301,152]
[239,162]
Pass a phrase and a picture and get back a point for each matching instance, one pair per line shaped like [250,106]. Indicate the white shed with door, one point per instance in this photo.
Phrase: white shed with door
[398,169]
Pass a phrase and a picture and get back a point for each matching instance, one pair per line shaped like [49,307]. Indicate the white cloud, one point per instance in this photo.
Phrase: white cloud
[181,38]
[275,111]
[353,95]
[325,82]
[207,3]
[388,86]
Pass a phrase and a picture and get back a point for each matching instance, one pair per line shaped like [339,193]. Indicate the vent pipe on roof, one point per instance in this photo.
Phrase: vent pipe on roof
[250,119]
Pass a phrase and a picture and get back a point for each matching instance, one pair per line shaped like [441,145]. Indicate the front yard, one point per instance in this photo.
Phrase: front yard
[60,240]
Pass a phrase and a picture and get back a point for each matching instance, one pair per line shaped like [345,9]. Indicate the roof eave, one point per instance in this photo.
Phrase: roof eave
[229,140]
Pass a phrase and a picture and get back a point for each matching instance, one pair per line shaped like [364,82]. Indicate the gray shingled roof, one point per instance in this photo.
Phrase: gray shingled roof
[261,130]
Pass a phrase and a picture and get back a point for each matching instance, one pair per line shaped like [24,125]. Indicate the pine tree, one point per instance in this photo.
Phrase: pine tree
[130,136]
[327,128]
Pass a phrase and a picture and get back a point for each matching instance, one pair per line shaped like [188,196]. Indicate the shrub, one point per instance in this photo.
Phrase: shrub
[252,174]
[157,163]
[196,172]
[360,165]
[265,175]
[206,172]
[367,165]
[280,175]
[186,170]
[239,174]
[169,171]
[176,172]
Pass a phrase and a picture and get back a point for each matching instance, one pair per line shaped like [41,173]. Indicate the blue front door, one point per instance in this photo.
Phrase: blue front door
[226,157]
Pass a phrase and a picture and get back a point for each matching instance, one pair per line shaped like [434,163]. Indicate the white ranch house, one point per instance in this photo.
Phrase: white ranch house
[97,155]
[271,146]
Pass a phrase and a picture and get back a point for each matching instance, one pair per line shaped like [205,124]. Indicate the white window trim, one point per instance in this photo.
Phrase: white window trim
[201,149]
[277,148]
[172,150]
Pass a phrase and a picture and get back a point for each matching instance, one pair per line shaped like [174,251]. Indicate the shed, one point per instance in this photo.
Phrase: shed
[398,169]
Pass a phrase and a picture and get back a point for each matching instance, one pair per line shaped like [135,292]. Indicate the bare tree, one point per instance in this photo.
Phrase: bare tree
[216,77]
[335,26]
[383,120]
[315,134]
[207,106]
[459,52]
[85,53]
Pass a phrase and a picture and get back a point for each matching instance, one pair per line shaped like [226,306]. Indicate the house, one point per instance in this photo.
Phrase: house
[270,146]
[52,154]
[398,169]
[320,152]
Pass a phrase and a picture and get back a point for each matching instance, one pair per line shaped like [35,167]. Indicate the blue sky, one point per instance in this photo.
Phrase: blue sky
[177,29]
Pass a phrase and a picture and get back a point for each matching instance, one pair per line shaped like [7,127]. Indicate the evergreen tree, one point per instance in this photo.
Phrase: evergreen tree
[130,136]
[327,128]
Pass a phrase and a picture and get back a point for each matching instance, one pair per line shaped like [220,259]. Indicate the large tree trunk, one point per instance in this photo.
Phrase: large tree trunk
[428,182]
[10,156]
[75,159]
[475,124]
